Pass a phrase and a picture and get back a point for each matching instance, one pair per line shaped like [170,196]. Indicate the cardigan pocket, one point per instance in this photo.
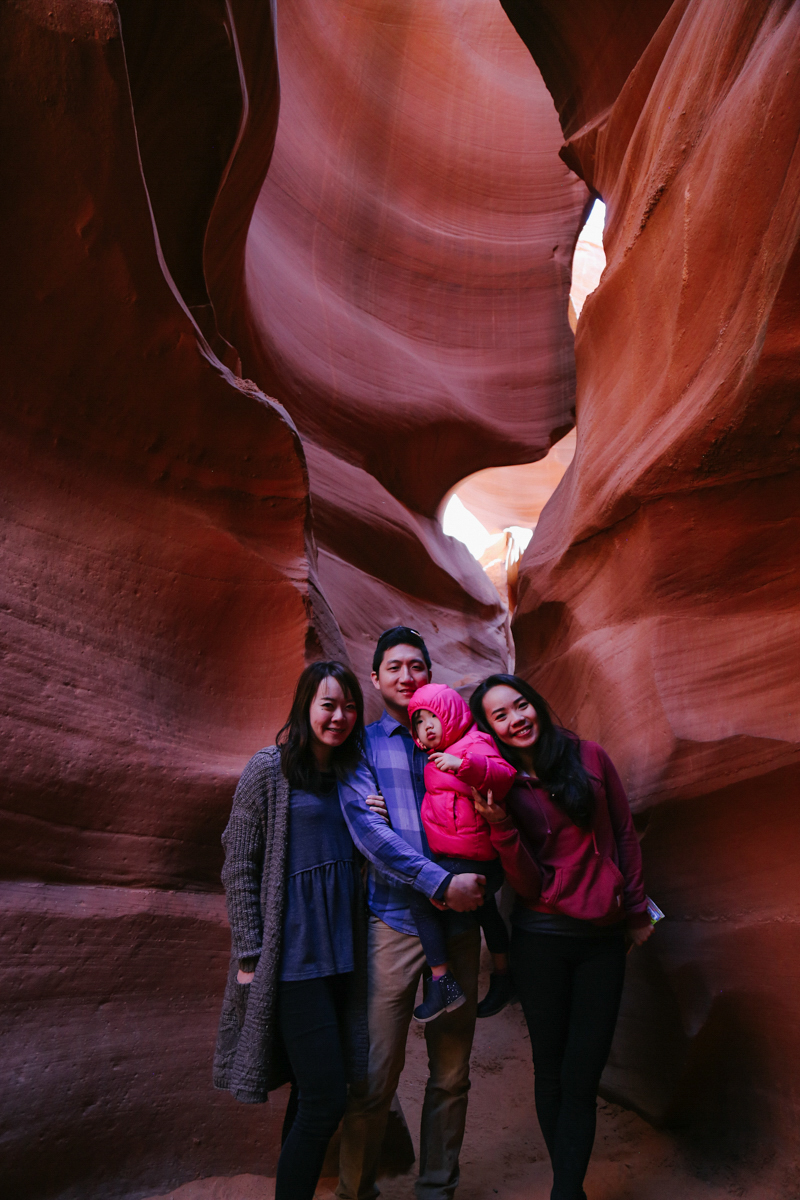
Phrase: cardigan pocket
[240,997]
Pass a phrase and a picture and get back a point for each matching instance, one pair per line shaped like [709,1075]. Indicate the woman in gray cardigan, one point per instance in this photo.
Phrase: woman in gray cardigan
[295,1002]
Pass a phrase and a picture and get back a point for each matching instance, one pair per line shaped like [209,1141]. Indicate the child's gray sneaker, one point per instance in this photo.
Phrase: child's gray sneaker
[442,995]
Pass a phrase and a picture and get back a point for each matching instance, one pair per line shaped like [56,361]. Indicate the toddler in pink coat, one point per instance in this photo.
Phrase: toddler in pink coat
[461,757]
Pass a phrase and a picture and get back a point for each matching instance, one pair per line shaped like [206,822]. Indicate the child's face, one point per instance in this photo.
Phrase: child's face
[428,729]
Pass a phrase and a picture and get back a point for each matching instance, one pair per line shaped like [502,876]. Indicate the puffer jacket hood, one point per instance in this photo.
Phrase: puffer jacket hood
[447,705]
[451,823]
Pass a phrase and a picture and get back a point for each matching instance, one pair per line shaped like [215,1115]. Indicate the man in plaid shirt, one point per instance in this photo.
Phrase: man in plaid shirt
[399,859]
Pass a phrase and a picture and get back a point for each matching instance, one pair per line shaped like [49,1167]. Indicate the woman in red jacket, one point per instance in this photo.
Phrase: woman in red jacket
[580,900]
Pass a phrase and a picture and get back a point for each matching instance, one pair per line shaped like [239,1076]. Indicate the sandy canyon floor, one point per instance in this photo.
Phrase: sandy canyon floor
[504,1156]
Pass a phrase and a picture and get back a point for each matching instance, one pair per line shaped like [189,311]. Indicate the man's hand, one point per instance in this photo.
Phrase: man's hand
[377,804]
[445,762]
[640,934]
[465,892]
[244,976]
[491,812]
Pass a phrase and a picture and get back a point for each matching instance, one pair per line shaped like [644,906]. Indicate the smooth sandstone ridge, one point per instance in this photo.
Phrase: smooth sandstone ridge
[658,598]
[404,295]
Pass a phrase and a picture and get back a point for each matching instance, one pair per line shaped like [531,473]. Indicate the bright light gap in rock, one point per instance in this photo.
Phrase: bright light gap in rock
[494,512]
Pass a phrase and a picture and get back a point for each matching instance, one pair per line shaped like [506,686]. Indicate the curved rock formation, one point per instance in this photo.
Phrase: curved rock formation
[503,496]
[405,296]
[153,620]
[162,580]
[398,281]
[658,599]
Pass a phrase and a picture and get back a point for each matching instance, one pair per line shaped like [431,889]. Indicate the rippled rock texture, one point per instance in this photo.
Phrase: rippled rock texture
[658,599]
[154,614]
[169,531]
[406,282]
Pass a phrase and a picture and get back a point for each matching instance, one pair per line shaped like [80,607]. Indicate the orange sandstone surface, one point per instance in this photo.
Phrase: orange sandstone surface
[268,303]
[658,600]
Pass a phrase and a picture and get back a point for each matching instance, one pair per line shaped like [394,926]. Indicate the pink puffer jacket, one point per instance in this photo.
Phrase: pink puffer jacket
[451,823]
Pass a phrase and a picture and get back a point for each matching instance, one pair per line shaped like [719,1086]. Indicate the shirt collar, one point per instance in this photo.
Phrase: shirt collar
[390,725]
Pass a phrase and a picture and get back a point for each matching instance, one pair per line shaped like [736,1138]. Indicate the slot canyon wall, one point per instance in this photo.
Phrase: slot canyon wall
[658,600]
[404,292]
[236,391]
[255,332]
[154,616]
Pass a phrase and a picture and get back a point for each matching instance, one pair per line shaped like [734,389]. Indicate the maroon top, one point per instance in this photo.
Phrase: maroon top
[556,867]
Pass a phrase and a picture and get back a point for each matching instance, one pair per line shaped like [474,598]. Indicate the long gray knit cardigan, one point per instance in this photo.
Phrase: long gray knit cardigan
[249,1060]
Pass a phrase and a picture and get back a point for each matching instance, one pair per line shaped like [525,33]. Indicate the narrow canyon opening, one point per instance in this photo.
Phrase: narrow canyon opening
[495,511]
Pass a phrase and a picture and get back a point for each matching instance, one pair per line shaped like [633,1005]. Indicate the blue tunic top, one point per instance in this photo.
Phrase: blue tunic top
[321,882]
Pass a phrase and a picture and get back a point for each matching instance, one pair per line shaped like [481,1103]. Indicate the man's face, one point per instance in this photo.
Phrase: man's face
[401,672]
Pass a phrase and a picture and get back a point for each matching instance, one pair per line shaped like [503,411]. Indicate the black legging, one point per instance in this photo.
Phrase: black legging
[570,988]
[309,1019]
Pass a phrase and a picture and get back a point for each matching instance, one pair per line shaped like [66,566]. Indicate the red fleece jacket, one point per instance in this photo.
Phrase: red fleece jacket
[555,867]
[452,825]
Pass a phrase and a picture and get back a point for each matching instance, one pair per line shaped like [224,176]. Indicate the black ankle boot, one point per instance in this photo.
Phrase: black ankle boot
[500,993]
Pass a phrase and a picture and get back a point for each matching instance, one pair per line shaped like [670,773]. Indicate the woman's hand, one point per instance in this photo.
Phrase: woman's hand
[445,762]
[640,934]
[244,976]
[491,812]
[377,804]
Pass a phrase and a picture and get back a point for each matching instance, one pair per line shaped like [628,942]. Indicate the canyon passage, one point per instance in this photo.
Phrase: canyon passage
[278,281]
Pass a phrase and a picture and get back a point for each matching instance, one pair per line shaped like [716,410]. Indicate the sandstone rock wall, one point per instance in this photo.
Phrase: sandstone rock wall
[405,296]
[162,581]
[153,620]
[658,599]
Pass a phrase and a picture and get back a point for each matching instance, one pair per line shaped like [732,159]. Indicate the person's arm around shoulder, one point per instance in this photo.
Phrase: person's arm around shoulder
[520,867]
[243,869]
[392,855]
[628,848]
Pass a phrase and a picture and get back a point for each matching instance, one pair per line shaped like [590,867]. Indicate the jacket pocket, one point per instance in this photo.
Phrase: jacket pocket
[464,816]
[592,891]
[550,889]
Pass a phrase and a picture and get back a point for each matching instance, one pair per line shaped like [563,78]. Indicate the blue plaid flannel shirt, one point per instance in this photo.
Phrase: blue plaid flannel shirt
[398,854]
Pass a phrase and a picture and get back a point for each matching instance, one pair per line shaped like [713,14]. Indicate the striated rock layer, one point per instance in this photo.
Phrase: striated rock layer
[153,619]
[405,296]
[658,598]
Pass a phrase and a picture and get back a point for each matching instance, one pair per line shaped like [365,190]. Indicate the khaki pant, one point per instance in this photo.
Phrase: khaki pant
[396,961]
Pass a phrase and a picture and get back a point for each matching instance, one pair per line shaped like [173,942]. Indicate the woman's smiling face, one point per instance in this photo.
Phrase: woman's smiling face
[511,717]
[332,714]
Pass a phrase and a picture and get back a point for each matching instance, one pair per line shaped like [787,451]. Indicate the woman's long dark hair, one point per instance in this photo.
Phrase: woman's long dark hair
[556,753]
[295,738]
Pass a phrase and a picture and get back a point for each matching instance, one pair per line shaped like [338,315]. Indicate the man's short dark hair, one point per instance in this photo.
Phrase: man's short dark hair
[399,635]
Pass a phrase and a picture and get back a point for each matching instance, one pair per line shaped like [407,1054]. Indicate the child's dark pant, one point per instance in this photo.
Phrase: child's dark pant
[433,924]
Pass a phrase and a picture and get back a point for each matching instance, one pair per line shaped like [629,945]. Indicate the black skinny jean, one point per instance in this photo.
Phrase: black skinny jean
[309,1020]
[570,988]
